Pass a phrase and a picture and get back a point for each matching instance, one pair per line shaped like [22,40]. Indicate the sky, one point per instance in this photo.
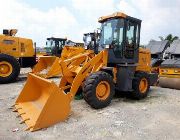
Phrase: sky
[39,19]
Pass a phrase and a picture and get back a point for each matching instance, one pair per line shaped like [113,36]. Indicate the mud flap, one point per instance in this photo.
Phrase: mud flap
[42,103]
[153,78]
[167,82]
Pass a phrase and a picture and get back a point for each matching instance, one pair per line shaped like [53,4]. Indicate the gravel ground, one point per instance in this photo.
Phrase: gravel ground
[154,118]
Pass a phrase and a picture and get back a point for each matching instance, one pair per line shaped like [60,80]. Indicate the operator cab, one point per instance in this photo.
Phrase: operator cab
[91,41]
[55,45]
[121,35]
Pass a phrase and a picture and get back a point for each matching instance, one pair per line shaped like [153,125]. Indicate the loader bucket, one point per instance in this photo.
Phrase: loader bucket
[54,70]
[43,63]
[168,82]
[42,103]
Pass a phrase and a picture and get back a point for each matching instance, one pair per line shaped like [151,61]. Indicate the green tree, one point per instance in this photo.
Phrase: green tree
[169,37]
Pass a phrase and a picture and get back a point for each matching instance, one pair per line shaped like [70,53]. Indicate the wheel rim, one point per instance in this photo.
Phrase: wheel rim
[5,69]
[143,85]
[103,90]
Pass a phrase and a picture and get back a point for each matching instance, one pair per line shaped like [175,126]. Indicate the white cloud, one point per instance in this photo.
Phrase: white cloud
[90,10]
[34,23]
[159,17]
[93,8]
[125,7]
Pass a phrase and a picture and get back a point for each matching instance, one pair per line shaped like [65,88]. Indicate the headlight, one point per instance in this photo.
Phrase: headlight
[164,71]
[85,47]
[176,71]
[107,46]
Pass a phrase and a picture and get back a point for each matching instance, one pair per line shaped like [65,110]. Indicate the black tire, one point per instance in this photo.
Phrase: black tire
[15,68]
[137,93]
[89,89]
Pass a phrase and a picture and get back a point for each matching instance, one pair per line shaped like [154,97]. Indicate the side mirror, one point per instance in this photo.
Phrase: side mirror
[6,32]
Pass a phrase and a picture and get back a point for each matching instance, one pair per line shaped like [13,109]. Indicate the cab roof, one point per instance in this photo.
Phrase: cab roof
[117,15]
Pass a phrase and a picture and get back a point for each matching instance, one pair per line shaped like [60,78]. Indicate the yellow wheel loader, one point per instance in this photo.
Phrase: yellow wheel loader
[15,53]
[170,68]
[54,47]
[119,64]
[91,41]
[61,49]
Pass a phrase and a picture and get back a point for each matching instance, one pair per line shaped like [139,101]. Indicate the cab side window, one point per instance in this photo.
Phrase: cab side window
[130,35]
[130,40]
[119,35]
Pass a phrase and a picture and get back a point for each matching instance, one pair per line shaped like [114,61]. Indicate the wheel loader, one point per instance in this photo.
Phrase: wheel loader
[15,53]
[170,68]
[48,66]
[54,47]
[91,40]
[119,65]
[59,48]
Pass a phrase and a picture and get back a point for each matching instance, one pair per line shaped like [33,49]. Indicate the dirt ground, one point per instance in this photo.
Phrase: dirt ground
[154,118]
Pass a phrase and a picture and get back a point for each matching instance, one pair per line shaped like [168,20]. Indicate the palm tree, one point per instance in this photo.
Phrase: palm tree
[169,37]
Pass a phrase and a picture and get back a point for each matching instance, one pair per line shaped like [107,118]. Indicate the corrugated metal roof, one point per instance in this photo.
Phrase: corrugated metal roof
[157,46]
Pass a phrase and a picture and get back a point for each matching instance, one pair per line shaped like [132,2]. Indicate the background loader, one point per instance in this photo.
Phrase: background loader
[118,65]
[15,53]
[170,68]
[57,49]
[91,41]
[54,47]
[48,66]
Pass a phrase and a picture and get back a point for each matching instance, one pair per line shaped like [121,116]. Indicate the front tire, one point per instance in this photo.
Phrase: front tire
[98,89]
[9,68]
[141,85]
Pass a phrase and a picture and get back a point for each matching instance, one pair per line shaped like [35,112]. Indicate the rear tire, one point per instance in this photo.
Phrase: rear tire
[141,85]
[98,89]
[9,68]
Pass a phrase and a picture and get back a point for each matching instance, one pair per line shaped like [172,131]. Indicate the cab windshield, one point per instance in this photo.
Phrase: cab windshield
[109,32]
[50,43]
[54,46]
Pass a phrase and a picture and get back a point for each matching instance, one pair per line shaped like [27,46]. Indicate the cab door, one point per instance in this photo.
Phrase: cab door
[125,49]
[131,41]
[115,52]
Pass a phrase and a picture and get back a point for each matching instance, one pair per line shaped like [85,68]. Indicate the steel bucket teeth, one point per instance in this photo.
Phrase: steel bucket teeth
[41,103]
